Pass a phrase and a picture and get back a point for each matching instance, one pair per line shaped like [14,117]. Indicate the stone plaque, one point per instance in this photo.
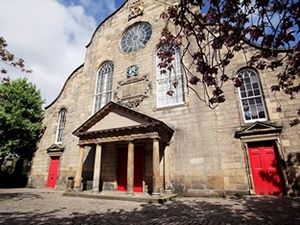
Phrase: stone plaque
[132,91]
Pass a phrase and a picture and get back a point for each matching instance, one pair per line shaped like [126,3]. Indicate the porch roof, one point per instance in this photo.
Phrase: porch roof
[118,122]
[258,128]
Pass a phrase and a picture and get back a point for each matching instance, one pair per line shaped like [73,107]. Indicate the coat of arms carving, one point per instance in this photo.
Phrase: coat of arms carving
[136,9]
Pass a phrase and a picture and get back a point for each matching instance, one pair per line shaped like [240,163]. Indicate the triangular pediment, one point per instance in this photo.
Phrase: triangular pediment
[55,147]
[114,116]
[258,128]
[117,118]
[55,150]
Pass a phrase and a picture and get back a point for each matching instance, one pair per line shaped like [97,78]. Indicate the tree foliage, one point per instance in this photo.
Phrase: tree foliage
[21,114]
[212,33]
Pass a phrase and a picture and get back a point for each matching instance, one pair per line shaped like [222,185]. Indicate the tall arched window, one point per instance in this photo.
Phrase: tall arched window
[170,81]
[61,125]
[104,85]
[251,97]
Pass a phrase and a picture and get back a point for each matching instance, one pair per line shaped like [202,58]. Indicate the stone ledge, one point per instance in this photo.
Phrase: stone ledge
[121,196]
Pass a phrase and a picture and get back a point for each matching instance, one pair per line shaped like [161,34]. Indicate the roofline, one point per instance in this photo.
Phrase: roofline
[48,106]
[104,22]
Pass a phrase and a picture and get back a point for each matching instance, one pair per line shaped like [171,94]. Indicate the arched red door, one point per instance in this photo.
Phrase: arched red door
[264,167]
[53,170]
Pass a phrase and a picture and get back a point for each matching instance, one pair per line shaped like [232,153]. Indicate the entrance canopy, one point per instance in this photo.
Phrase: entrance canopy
[259,131]
[115,122]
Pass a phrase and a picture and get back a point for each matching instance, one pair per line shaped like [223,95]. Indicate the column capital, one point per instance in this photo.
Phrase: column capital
[155,137]
[130,140]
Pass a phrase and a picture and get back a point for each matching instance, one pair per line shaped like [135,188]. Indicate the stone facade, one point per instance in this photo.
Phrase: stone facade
[207,154]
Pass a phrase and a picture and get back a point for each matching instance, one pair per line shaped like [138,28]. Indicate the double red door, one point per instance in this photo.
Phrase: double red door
[53,170]
[264,167]
[138,169]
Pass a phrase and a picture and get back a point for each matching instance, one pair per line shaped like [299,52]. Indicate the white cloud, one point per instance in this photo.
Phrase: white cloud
[50,36]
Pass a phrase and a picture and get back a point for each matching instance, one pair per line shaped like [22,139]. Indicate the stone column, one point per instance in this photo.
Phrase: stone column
[156,175]
[130,168]
[77,184]
[97,168]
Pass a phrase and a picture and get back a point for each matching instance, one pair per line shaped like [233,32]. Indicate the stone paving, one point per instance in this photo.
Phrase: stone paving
[49,207]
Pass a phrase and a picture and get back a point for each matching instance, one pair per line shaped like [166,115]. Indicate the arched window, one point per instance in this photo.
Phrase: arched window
[251,97]
[104,85]
[61,125]
[170,81]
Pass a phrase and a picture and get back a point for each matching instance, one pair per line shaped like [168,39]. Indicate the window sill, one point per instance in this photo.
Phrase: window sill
[158,108]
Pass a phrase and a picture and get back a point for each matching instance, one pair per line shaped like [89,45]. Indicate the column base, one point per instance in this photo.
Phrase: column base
[77,189]
[155,194]
[95,191]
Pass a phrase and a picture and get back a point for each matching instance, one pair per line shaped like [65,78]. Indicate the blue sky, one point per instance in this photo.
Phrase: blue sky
[95,8]
[51,36]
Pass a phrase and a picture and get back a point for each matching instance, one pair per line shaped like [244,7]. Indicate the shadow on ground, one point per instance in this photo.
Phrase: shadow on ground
[250,210]
[18,197]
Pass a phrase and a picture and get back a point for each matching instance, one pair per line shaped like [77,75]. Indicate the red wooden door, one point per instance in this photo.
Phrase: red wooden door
[264,168]
[122,169]
[53,169]
[138,169]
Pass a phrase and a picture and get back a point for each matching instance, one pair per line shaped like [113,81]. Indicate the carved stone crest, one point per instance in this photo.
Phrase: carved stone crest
[133,90]
[132,71]
[136,9]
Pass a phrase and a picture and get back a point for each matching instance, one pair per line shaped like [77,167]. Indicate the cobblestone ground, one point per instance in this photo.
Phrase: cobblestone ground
[46,206]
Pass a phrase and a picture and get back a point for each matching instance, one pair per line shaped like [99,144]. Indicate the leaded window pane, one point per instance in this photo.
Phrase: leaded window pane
[104,85]
[136,37]
[165,83]
[61,125]
[251,97]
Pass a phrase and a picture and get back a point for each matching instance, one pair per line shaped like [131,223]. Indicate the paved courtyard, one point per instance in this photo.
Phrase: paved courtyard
[46,206]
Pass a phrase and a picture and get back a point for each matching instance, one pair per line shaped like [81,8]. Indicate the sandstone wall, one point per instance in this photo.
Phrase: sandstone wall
[205,158]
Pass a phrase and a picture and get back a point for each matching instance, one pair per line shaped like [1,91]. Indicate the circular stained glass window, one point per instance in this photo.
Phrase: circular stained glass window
[136,37]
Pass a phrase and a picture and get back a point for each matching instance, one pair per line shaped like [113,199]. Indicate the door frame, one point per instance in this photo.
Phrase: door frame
[136,146]
[278,154]
[54,150]
[271,145]
[57,171]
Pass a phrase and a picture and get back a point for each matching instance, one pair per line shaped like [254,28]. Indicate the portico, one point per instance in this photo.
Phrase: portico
[136,142]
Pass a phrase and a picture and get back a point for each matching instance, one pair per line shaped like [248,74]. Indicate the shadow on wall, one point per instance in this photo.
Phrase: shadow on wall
[291,168]
[17,179]
[88,169]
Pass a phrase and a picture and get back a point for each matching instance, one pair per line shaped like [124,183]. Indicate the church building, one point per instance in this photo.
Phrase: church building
[113,127]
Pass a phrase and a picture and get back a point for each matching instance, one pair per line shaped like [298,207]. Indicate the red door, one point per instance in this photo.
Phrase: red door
[122,169]
[53,169]
[138,169]
[264,168]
